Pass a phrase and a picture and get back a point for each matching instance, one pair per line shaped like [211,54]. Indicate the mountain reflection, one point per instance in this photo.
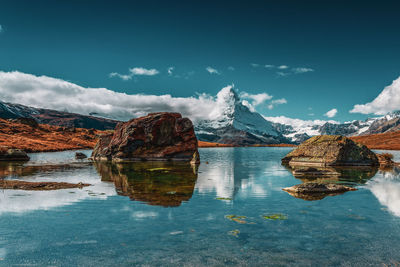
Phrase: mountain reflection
[155,183]
[386,188]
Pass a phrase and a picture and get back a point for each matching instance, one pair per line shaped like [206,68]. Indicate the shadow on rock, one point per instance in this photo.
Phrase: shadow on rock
[166,184]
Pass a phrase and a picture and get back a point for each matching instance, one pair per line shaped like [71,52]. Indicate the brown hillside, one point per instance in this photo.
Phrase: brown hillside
[390,141]
[44,138]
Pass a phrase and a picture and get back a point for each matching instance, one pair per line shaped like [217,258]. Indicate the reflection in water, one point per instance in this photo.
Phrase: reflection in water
[347,175]
[386,188]
[325,175]
[19,201]
[229,172]
[156,183]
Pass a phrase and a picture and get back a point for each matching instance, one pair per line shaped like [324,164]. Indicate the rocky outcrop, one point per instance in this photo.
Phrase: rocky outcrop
[156,137]
[331,150]
[316,191]
[38,186]
[13,155]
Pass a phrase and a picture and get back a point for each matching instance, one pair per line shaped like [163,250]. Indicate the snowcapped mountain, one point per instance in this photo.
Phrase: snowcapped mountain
[299,130]
[233,123]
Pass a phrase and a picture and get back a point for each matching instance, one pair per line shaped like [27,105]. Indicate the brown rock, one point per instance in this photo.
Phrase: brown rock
[156,137]
[317,191]
[331,150]
[37,186]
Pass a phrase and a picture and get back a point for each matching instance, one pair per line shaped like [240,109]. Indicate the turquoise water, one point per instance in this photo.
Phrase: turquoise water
[174,215]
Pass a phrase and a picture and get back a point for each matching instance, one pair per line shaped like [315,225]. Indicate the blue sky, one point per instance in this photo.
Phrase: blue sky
[325,54]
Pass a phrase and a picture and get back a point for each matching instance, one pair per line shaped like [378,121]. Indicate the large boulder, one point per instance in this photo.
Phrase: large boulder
[317,191]
[156,137]
[331,150]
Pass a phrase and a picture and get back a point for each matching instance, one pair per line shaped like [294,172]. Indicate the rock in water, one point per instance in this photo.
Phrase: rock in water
[13,155]
[331,150]
[317,191]
[159,136]
[80,155]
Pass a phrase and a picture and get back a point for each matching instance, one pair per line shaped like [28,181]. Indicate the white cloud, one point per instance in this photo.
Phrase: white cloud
[302,70]
[212,70]
[387,101]
[231,68]
[283,67]
[283,74]
[275,102]
[122,76]
[257,99]
[139,71]
[144,71]
[269,66]
[254,65]
[331,113]
[170,70]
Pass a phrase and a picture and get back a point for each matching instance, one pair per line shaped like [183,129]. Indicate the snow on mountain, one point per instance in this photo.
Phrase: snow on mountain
[233,122]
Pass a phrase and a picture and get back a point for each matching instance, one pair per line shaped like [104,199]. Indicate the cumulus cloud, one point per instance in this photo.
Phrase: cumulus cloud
[387,101]
[269,66]
[257,99]
[137,71]
[302,70]
[211,70]
[331,113]
[283,67]
[231,68]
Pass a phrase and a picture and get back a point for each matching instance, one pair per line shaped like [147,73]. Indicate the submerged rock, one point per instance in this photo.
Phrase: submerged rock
[80,155]
[317,191]
[37,186]
[331,150]
[13,155]
[156,137]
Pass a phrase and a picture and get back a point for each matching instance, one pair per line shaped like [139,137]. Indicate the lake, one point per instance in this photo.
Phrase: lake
[229,211]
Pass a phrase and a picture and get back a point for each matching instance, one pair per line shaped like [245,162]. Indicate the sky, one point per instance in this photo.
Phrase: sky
[311,60]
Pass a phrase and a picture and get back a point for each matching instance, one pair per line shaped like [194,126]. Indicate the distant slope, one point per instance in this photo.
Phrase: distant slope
[389,140]
[54,117]
[43,137]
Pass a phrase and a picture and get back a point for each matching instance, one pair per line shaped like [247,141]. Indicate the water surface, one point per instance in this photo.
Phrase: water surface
[231,211]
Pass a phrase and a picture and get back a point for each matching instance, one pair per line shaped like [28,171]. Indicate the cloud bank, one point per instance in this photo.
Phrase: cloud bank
[53,93]
[387,101]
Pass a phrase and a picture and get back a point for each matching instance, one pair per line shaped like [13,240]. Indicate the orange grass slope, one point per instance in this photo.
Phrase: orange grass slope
[44,138]
[389,141]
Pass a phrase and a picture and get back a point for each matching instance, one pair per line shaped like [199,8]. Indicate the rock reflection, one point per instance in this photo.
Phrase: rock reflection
[346,175]
[329,175]
[164,184]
